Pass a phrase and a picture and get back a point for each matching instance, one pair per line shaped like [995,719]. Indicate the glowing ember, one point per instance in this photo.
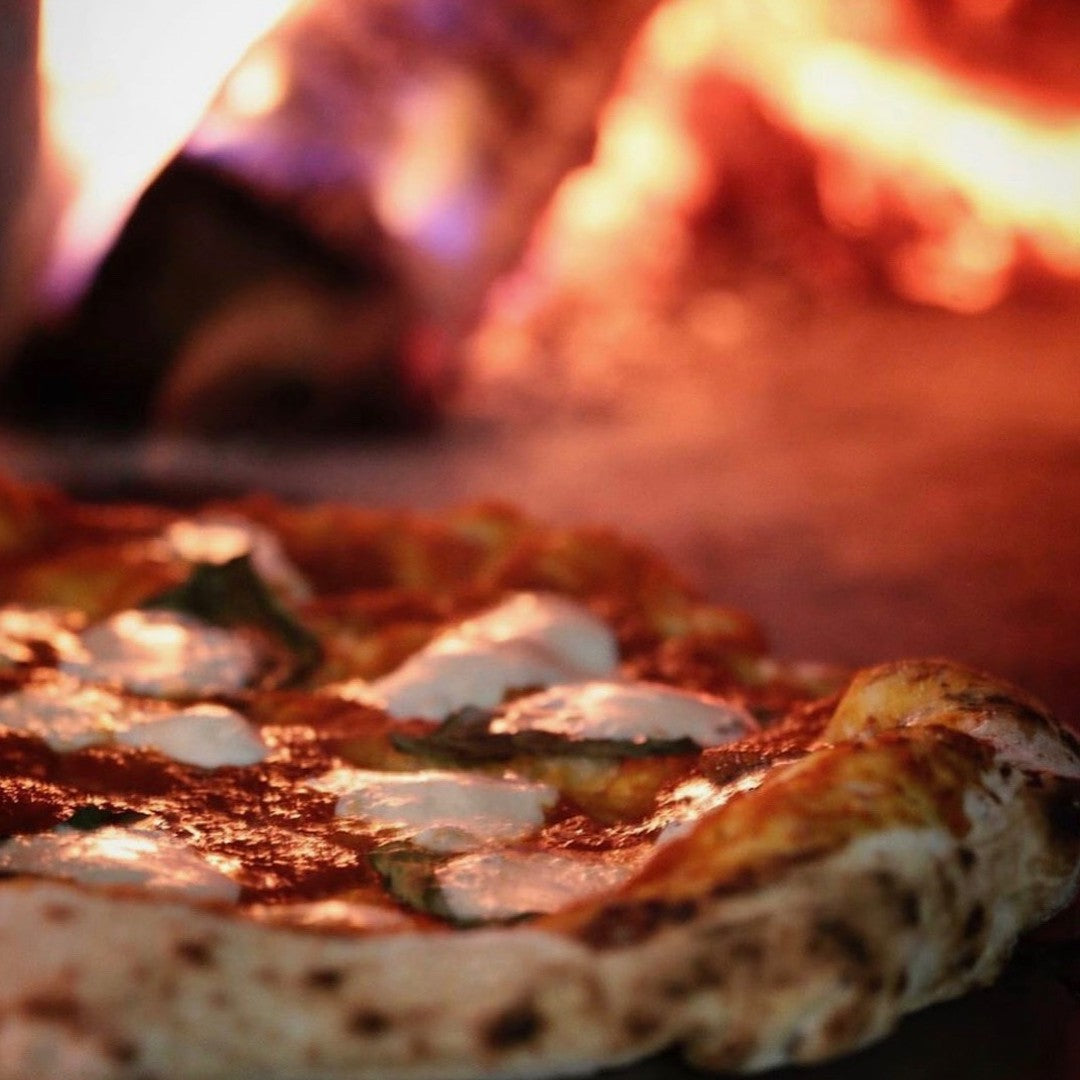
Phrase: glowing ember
[125,82]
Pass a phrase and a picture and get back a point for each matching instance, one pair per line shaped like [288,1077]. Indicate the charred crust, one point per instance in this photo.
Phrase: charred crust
[195,952]
[900,983]
[732,1053]
[974,923]
[844,1027]
[838,936]
[324,978]
[629,923]
[513,1027]
[368,1023]
[741,881]
[910,907]
[967,960]
[121,1051]
[904,900]
[966,857]
[1070,739]
[639,1026]
[1062,809]
[55,1007]
[57,913]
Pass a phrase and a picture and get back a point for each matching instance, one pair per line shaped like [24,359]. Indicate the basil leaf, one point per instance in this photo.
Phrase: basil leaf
[232,594]
[91,818]
[409,876]
[466,737]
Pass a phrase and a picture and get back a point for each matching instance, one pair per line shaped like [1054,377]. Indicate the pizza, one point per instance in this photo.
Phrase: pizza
[309,792]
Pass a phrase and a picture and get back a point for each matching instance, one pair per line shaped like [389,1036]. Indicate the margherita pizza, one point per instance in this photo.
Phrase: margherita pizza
[298,793]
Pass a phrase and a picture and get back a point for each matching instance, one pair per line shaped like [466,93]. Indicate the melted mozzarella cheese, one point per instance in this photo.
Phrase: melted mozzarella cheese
[20,626]
[164,654]
[631,712]
[505,884]
[529,640]
[441,811]
[65,713]
[69,715]
[144,858]
[221,538]
[206,735]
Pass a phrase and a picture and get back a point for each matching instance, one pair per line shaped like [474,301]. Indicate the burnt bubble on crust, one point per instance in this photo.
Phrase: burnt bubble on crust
[631,922]
[196,952]
[516,1026]
[368,1022]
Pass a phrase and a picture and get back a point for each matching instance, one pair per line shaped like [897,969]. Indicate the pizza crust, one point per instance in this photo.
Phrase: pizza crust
[748,956]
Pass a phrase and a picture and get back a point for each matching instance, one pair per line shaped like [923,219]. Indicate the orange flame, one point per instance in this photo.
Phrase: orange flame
[987,177]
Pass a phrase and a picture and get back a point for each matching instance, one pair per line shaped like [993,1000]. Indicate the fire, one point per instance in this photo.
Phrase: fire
[984,177]
[125,82]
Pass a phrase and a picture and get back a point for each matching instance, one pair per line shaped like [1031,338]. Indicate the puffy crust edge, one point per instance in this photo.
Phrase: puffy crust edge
[748,959]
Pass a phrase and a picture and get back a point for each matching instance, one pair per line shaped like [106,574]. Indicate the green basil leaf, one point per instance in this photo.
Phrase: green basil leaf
[231,594]
[91,818]
[409,876]
[466,737]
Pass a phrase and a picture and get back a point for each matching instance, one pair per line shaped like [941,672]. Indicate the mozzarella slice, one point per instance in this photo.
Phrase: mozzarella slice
[223,537]
[164,654]
[632,712]
[66,714]
[530,640]
[441,811]
[144,858]
[505,884]
[206,735]
[20,625]
[70,715]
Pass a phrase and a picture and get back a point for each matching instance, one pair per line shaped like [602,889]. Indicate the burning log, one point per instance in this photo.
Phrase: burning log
[317,251]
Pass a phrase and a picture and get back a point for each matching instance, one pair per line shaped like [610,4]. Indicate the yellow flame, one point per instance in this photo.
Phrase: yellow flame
[125,83]
[983,174]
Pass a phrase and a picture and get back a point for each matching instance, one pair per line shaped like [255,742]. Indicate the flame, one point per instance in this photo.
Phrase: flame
[985,176]
[125,82]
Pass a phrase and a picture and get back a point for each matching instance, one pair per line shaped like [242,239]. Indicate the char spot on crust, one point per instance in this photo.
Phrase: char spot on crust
[639,1025]
[967,857]
[967,959]
[836,935]
[122,1051]
[195,952]
[324,978]
[974,923]
[910,907]
[368,1022]
[627,924]
[731,1053]
[894,894]
[741,881]
[58,913]
[847,1025]
[1063,813]
[513,1027]
[52,1007]
[900,983]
